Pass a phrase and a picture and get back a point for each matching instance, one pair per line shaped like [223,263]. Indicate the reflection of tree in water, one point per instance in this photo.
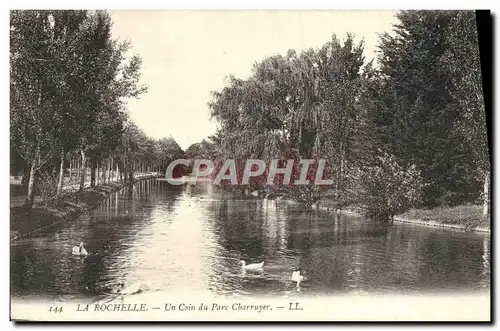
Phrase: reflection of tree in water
[336,252]
[308,229]
[239,227]
[320,243]
[274,228]
[44,264]
[332,247]
[486,262]
[117,231]
[486,254]
[252,230]
[345,253]
[32,269]
[443,265]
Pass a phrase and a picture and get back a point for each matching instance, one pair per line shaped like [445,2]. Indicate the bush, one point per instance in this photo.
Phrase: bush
[387,188]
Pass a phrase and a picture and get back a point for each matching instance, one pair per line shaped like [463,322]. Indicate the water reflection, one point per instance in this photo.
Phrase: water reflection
[190,239]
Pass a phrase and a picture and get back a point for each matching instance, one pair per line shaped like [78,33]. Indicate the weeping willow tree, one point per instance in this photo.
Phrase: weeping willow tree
[417,117]
[295,106]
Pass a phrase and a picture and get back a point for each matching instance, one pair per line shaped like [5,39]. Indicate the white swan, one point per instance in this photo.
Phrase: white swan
[132,289]
[135,288]
[297,277]
[80,250]
[253,266]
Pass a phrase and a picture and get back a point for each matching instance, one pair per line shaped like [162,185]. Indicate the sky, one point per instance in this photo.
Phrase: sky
[188,54]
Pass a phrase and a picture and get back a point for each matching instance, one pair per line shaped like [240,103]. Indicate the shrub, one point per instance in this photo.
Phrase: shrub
[387,188]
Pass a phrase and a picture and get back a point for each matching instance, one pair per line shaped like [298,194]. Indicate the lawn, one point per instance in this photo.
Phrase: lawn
[469,216]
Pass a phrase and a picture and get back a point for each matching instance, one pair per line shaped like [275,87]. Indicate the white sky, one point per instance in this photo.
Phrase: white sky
[187,54]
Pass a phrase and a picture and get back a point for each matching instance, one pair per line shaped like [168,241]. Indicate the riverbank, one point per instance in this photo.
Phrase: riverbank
[464,217]
[24,222]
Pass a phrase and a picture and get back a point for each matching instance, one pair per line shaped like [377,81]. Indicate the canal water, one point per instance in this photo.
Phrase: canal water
[191,239]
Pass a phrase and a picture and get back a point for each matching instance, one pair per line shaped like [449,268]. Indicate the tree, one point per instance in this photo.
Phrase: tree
[65,67]
[101,80]
[463,61]
[202,150]
[167,150]
[299,105]
[37,51]
[418,115]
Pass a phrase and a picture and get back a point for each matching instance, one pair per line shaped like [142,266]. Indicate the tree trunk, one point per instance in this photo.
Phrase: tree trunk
[26,175]
[31,186]
[130,175]
[104,169]
[120,170]
[30,198]
[61,175]
[70,168]
[98,176]
[83,171]
[341,169]
[117,171]
[78,167]
[106,172]
[486,196]
[110,168]
[132,171]
[92,171]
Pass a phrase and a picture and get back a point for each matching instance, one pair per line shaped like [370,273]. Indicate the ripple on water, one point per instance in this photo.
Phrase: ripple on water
[174,241]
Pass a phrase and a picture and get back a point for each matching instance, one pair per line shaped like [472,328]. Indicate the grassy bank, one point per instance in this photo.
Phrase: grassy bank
[71,204]
[465,217]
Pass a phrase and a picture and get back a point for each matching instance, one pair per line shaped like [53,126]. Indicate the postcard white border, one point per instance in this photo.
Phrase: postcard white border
[190,4]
